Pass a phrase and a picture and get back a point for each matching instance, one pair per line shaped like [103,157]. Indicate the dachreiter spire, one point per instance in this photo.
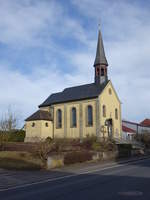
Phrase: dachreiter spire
[100,53]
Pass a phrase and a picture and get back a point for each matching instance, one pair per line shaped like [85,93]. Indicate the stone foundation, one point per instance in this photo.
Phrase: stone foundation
[33,139]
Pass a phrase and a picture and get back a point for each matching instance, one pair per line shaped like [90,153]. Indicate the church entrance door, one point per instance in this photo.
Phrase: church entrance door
[109,125]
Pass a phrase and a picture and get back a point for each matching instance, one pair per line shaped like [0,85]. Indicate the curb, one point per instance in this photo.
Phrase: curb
[133,159]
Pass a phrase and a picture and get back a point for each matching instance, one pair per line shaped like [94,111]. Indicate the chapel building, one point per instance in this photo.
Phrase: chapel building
[80,111]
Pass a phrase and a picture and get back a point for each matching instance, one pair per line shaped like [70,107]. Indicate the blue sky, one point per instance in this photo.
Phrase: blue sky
[48,45]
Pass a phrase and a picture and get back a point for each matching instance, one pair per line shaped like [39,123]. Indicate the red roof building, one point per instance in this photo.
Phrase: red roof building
[126,129]
[145,122]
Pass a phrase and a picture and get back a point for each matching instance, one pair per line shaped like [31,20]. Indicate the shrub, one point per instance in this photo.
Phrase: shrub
[60,145]
[42,150]
[124,150]
[104,145]
[17,136]
[109,145]
[76,157]
[144,138]
[88,141]
[96,146]
[48,139]
[13,136]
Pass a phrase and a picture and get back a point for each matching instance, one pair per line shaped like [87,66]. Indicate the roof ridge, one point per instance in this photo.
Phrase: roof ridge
[78,86]
[76,93]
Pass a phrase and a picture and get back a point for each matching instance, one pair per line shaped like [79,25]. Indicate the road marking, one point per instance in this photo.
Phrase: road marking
[70,176]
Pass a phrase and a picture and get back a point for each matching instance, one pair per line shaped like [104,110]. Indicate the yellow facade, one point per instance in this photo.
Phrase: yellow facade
[112,102]
[39,131]
[58,132]
[72,132]
[108,98]
[89,130]
[81,130]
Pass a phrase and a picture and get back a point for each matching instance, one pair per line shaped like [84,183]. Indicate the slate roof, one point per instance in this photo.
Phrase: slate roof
[39,115]
[81,92]
[100,53]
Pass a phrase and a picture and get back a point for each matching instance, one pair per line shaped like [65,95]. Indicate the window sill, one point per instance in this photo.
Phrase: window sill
[58,127]
[89,125]
[73,127]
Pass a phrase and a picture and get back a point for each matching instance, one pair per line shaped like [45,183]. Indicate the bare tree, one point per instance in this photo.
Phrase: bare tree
[8,121]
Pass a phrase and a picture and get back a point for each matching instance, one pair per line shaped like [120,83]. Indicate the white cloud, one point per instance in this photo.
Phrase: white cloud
[35,23]
[22,21]
[126,31]
[25,92]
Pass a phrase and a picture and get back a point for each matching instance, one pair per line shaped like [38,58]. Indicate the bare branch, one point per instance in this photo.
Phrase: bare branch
[8,121]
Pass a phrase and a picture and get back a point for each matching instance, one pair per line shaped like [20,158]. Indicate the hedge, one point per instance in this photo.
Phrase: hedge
[76,157]
[14,136]
[124,150]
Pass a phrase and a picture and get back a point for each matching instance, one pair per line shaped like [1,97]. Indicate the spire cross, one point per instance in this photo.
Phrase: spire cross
[99,24]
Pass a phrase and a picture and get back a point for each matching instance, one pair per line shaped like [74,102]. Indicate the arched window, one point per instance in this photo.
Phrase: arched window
[59,118]
[104,111]
[109,91]
[97,71]
[116,113]
[89,115]
[102,72]
[73,117]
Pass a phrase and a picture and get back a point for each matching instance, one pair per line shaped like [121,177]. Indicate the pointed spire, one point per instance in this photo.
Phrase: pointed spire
[100,53]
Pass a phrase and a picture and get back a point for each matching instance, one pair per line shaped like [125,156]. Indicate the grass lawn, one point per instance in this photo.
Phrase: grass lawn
[19,161]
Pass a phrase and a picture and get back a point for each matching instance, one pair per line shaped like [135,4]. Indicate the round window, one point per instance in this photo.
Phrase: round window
[46,124]
[33,124]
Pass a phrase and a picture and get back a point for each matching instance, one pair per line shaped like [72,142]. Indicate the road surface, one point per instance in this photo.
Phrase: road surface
[111,182]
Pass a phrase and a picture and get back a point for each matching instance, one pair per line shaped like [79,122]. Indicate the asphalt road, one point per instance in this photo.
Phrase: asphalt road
[117,182]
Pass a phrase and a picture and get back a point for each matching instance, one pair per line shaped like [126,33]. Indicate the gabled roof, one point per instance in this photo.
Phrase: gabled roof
[129,122]
[81,92]
[39,115]
[146,122]
[126,129]
[100,53]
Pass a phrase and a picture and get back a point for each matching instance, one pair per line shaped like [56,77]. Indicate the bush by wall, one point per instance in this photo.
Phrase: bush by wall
[14,136]
[124,150]
[96,146]
[144,138]
[88,142]
[76,157]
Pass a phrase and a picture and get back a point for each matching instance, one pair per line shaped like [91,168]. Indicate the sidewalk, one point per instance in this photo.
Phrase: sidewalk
[79,167]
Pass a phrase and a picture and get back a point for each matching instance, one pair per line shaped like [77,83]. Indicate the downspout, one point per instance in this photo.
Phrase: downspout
[53,122]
